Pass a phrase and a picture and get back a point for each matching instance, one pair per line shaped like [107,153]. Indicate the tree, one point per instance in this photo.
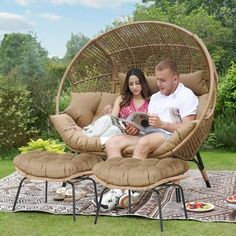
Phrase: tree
[118,22]
[213,21]
[73,46]
[16,50]
[23,61]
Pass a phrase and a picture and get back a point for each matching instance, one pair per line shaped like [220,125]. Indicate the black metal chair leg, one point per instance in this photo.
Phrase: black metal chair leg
[98,206]
[201,167]
[18,192]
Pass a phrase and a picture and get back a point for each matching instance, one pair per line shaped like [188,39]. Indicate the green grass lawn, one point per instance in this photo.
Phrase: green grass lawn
[43,224]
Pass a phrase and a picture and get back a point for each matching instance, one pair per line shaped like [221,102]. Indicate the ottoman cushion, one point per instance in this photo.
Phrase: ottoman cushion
[125,172]
[45,164]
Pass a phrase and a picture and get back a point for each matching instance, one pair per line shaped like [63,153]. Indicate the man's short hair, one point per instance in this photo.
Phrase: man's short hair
[168,64]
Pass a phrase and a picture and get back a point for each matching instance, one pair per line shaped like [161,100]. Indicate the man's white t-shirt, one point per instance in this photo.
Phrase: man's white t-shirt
[182,101]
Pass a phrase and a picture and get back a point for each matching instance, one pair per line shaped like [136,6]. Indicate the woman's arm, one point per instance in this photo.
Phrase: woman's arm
[116,107]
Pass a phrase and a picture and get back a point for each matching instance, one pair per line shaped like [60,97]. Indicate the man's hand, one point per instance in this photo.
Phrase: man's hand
[155,121]
[131,130]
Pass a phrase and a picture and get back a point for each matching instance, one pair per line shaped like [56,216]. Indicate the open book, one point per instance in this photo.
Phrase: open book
[137,119]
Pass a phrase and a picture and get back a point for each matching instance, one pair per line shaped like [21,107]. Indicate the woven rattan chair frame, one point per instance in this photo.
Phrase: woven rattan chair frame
[143,45]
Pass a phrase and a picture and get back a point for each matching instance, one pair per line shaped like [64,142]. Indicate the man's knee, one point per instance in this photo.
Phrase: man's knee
[143,142]
[150,142]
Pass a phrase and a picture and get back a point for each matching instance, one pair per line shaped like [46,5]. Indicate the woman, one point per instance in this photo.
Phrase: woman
[134,95]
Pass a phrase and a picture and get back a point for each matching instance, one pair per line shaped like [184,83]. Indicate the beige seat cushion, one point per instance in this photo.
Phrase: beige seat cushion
[125,172]
[176,138]
[44,164]
[75,140]
[64,125]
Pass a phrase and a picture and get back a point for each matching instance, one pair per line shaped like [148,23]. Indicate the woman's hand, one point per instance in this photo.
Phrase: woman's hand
[131,130]
[108,109]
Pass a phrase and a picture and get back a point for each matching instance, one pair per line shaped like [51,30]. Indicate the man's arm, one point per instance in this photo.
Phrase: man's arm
[156,122]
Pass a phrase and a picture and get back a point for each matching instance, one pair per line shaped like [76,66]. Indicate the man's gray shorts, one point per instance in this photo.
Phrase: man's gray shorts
[162,133]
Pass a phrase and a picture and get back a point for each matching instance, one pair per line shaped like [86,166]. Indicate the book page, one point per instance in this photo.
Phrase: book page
[138,119]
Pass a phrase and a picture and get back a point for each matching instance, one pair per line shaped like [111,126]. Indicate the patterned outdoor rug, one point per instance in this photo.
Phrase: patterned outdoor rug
[223,185]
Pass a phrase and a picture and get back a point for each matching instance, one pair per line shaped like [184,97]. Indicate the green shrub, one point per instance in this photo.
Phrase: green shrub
[212,143]
[44,145]
[224,126]
[227,91]
[225,129]
[64,100]
[16,120]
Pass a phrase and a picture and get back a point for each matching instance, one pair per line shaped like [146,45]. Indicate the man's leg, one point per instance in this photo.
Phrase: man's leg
[147,144]
[117,143]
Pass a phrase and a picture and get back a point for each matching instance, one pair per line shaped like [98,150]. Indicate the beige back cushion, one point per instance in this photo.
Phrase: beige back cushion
[106,99]
[88,106]
[193,81]
[202,101]
[83,106]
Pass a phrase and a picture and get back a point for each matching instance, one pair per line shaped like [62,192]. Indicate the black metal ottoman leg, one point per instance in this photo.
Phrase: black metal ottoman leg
[95,190]
[73,198]
[46,191]
[177,192]
[98,206]
[18,192]
[160,210]
[129,201]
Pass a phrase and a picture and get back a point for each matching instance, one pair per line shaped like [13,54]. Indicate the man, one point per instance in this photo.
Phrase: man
[168,109]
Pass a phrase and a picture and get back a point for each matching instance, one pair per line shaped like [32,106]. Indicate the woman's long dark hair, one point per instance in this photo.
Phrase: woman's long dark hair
[126,94]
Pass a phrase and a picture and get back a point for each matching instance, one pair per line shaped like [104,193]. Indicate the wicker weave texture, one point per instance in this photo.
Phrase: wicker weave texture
[140,44]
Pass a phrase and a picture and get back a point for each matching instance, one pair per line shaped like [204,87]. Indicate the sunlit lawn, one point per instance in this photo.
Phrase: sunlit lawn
[42,224]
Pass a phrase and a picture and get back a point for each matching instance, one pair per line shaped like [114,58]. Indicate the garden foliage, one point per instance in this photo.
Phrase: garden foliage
[227,91]
[16,121]
[44,145]
[224,124]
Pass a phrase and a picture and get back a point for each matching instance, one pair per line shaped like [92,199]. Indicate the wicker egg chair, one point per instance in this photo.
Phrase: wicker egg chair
[96,68]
